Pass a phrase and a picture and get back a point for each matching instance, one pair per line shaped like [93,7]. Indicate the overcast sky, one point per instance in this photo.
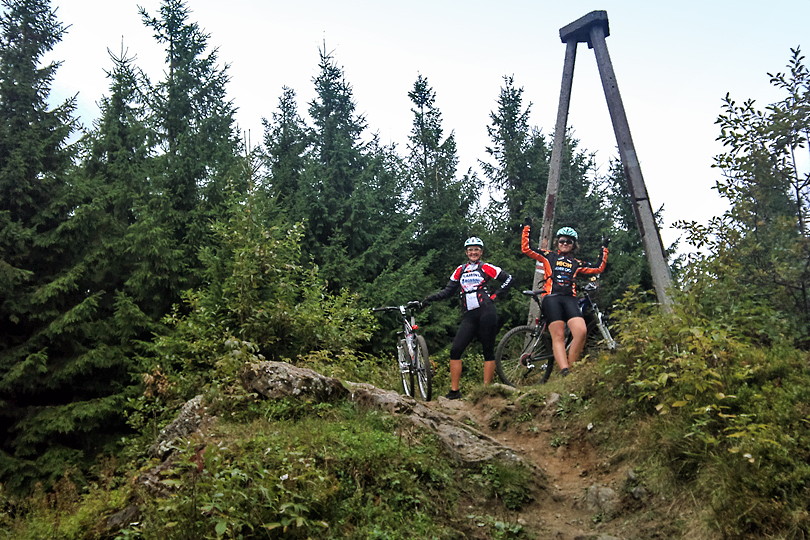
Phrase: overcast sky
[674,62]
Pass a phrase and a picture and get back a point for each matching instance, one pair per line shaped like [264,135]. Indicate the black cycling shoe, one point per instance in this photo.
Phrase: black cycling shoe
[453,394]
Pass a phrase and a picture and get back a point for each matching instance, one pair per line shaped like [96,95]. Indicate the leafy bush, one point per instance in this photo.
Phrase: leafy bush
[729,413]
[508,483]
[260,301]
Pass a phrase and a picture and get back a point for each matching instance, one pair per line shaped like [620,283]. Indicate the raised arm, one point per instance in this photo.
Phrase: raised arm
[529,252]
[595,268]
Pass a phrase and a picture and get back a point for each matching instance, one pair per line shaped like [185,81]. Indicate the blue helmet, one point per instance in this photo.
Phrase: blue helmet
[568,231]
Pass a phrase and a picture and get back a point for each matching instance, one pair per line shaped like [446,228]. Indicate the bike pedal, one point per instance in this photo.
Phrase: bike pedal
[530,366]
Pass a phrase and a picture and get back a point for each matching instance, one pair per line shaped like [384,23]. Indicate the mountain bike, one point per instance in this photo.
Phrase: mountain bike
[412,352]
[524,355]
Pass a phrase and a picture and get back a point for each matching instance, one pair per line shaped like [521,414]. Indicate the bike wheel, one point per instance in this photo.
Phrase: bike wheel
[405,371]
[424,372]
[545,357]
[524,356]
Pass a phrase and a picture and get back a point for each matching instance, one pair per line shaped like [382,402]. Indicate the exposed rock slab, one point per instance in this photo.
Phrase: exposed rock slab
[190,418]
[278,379]
[464,442]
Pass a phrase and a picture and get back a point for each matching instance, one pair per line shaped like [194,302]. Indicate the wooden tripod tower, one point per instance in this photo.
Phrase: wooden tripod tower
[593,29]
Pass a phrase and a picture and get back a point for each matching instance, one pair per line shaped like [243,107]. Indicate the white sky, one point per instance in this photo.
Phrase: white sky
[673,61]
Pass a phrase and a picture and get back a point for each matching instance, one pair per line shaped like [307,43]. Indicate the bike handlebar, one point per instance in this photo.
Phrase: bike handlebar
[535,294]
[413,304]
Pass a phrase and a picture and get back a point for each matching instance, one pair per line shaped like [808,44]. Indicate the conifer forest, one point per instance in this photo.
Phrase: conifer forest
[146,257]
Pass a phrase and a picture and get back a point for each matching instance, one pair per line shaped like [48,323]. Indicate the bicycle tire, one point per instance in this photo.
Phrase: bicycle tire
[405,371]
[520,348]
[424,371]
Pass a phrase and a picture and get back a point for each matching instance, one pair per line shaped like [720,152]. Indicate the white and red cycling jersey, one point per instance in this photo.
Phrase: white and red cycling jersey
[470,280]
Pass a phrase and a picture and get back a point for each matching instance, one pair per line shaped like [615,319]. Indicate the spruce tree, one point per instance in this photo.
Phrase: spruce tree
[197,150]
[337,149]
[443,206]
[376,199]
[285,151]
[34,154]
[114,176]
[519,174]
[441,201]
[59,385]
[628,266]
[340,182]
[383,223]
[517,178]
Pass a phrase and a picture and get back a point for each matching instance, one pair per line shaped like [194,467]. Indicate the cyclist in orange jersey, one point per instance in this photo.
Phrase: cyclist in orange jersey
[560,303]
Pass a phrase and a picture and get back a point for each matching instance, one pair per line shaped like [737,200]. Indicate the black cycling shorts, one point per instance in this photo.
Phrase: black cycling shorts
[561,308]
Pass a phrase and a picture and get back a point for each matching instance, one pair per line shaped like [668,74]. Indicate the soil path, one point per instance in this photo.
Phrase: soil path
[582,493]
[571,464]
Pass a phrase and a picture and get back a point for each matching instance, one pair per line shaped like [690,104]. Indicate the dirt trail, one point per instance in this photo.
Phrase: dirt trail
[582,493]
[571,465]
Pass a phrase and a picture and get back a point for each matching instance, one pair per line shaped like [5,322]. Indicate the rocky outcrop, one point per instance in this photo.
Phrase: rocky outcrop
[190,418]
[463,442]
[278,379]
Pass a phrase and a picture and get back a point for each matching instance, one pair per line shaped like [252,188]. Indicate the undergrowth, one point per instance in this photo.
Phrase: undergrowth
[294,469]
[713,411]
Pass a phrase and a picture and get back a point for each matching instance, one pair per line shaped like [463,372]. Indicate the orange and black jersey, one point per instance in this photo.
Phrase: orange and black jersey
[561,270]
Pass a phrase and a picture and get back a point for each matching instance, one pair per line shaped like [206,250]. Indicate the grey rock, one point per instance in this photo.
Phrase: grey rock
[463,442]
[602,499]
[278,379]
[638,493]
[122,518]
[188,420]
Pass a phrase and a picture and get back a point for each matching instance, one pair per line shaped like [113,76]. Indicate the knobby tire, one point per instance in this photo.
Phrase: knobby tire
[406,368]
[522,346]
[424,371]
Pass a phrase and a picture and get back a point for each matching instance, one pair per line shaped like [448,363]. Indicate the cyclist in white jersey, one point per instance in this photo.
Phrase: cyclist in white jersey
[480,319]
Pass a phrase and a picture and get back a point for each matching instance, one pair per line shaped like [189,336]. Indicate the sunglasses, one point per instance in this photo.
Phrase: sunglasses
[565,241]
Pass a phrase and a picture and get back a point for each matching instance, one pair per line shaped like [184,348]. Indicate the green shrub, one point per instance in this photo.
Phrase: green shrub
[306,470]
[510,484]
[728,411]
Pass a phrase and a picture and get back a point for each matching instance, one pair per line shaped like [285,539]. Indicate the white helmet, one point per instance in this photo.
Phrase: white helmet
[473,241]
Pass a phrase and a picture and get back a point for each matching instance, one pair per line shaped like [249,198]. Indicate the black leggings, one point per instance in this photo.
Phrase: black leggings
[482,323]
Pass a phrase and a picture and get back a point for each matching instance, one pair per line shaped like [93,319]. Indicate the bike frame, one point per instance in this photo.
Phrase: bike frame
[593,315]
[525,354]
[408,332]
[412,355]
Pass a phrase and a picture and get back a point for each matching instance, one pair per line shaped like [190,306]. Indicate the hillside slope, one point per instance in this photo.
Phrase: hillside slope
[590,491]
